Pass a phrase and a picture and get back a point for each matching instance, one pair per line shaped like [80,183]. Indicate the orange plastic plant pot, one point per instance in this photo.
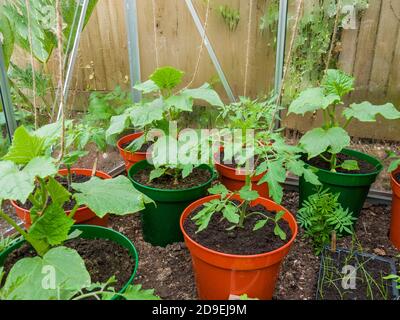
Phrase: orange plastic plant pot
[82,216]
[234,181]
[220,276]
[130,158]
[395,221]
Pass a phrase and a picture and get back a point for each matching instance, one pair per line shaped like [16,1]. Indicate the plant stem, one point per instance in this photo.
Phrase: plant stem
[13,224]
[73,211]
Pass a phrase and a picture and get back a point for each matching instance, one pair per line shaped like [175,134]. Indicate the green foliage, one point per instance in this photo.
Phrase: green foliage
[230,16]
[6,242]
[393,277]
[269,21]
[395,161]
[332,137]
[321,215]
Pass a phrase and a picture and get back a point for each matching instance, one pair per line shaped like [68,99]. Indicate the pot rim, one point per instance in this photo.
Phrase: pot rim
[80,209]
[129,136]
[378,167]
[212,172]
[199,202]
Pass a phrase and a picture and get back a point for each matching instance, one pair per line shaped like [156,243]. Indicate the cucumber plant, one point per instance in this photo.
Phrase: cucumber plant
[331,138]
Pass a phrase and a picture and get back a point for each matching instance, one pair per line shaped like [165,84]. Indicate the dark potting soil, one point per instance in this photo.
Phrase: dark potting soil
[196,178]
[397,177]
[233,163]
[103,259]
[144,147]
[243,241]
[369,282]
[76,178]
[365,167]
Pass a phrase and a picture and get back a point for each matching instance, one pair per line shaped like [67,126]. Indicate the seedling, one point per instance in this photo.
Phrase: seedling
[329,140]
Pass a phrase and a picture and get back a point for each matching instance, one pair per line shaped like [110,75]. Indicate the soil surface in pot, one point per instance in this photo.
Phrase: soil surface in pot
[196,178]
[369,283]
[144,147]
[76,178]
[364,166]
[397,177]
[233,163]
[103,258]
[242,241]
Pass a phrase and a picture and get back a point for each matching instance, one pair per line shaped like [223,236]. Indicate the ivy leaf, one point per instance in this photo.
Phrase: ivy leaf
[367,112]
[219,189]
[135,292]
[230,213]
[58,194]
[247,194]
[15,184]
[167,77]
[319,140]
[26,278]
[204,93]
[350,165]
[52,226]
[25,147]
[337,83]
[311,100]
[260,224]
[114,196]
[156,173]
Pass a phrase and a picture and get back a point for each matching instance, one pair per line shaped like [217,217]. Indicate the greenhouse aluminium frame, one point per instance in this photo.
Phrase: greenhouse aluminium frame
[131,18]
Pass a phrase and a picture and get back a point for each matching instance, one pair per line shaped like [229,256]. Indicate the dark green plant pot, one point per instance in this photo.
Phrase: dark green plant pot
[353,188]
[91,232]
[160,222]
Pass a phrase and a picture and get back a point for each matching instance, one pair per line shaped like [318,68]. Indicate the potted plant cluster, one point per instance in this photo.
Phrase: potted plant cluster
[347,172]
[28,171]
[394,170]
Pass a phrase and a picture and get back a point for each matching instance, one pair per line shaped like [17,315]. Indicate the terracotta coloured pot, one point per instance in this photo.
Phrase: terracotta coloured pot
[219,275]
[395,222]
[82,216]
[130,158]
[234,180]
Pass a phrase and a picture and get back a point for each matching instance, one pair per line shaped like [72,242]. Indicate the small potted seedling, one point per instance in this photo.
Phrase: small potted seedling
[52,240]
[394,170]
[347,172]
[170,182]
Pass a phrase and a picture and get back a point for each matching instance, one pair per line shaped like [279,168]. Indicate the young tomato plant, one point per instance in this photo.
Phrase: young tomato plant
[235,213]
[329,140]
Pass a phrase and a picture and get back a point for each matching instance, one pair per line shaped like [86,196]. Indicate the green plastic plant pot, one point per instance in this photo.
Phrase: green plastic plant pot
[353,188]
[160,221]
[92,232]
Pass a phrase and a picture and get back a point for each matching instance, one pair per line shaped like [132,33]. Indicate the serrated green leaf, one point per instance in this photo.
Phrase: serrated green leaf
[167,77]
[311,177]
[58,194]
[114,196]
[247,194]
[187,169]
[41,167]
[180,102]
[15,184]
[73,156]
[350,165]
[260,224]
[367,112]
[117,125]
[274,177]
[27,278]
[311,100]
[136,144]
[279,215]
[146,114]
[219,189]
[319,140]
[204,93]
[52,226]
[135,292]
[156,173]
[25,147]
[337,83]
[230,213]
[147,87]
[279,232]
